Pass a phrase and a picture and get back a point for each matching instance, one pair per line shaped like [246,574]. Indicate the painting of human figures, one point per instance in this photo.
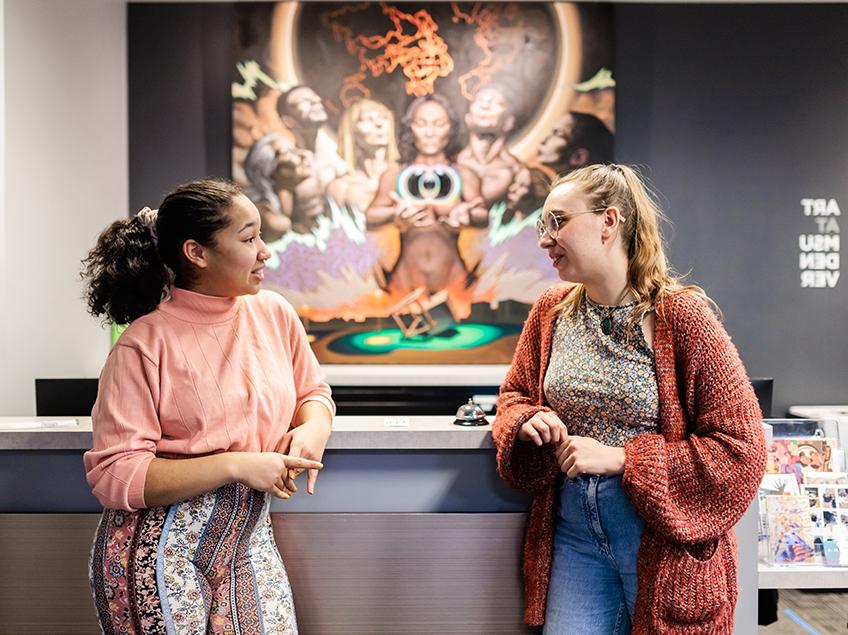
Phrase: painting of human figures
[399,156]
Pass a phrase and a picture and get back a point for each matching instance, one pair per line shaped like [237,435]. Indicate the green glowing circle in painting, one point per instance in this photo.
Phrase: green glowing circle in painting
[463,336]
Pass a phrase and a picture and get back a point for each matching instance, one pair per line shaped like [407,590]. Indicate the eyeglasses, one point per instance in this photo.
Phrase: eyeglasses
[550,224]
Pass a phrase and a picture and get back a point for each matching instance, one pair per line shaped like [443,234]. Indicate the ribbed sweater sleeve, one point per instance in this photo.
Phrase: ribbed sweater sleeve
[126,431]
[524,465]
[695,489]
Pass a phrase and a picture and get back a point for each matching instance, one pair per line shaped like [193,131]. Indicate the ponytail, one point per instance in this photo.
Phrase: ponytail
[648,274]
[125,273]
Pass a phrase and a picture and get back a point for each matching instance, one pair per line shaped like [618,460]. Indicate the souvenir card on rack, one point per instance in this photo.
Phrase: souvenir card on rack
[799,455]
[831,553]
[812,494]
[779,485]
[824,517]
[816,522]
[790,534]
[825,478]
[842,498]
[830,521]
[774,485]
[827,496]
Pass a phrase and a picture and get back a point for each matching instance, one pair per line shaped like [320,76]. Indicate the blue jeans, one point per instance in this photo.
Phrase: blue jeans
[593,576]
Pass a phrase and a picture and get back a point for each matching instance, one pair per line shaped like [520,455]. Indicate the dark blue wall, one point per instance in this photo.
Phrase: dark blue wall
[740,113]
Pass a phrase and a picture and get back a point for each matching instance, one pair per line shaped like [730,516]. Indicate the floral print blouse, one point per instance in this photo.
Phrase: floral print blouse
[602,385]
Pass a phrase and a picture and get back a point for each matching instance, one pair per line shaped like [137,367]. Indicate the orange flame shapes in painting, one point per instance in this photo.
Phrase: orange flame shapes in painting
[421,53]
[489,30]
[376,304]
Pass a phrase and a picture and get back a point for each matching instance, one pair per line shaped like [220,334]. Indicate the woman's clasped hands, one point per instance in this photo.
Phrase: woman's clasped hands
[307,440]
[269,471]
[575,455]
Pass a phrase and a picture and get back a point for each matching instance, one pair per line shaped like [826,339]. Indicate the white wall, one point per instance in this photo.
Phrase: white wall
[64,178]
[4,353]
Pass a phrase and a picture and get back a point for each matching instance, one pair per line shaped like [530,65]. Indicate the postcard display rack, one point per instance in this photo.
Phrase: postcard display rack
[803,505]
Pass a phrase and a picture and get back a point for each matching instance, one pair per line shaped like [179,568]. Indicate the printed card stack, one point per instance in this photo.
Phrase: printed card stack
[790,533]
[803,504]
[827,496]
[799,456]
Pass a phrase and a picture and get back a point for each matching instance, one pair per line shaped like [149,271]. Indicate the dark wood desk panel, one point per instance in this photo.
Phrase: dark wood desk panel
[350,573]
[44,573]
[404,573]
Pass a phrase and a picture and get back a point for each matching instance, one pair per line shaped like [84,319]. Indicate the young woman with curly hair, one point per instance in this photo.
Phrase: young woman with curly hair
[209,403]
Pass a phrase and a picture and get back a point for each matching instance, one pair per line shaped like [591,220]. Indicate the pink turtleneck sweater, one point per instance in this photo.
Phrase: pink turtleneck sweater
[198,375]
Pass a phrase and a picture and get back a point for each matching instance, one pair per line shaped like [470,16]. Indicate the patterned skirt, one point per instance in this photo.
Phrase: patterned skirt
[206,565]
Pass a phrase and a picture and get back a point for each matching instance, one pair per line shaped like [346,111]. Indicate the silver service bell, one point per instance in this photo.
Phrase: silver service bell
[470,414]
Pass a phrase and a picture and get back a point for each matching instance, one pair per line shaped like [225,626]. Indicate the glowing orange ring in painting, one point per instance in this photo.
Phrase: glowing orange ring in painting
[560,92]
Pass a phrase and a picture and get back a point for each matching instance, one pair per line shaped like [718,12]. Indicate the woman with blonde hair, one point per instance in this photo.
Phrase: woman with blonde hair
[629,416]
[366,142]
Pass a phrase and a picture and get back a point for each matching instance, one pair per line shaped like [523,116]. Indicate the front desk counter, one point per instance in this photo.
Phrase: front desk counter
[410,531]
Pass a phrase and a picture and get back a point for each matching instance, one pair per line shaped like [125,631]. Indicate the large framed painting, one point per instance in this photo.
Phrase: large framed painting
[399,155]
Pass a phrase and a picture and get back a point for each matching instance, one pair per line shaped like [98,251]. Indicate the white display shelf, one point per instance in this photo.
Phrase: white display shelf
[802,577]
[819,412]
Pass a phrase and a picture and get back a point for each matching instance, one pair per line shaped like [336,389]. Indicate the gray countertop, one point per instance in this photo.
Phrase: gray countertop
[349,433]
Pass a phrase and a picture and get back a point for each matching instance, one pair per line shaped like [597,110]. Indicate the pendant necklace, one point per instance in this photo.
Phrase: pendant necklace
[606,323]
[607,312]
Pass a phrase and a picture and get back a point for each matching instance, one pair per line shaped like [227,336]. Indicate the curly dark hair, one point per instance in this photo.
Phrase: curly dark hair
[406,139]
[127,274]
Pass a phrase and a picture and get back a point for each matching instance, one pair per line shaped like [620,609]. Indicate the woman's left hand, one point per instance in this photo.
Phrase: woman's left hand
[584,455]
[308,441]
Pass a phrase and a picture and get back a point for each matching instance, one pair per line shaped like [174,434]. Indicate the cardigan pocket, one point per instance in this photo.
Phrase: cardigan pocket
[695,591]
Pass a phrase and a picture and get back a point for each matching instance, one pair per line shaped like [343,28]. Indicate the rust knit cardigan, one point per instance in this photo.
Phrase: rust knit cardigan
[691,482]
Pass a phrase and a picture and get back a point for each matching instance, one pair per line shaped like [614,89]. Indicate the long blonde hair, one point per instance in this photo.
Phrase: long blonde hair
[649,276]
[347,133]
